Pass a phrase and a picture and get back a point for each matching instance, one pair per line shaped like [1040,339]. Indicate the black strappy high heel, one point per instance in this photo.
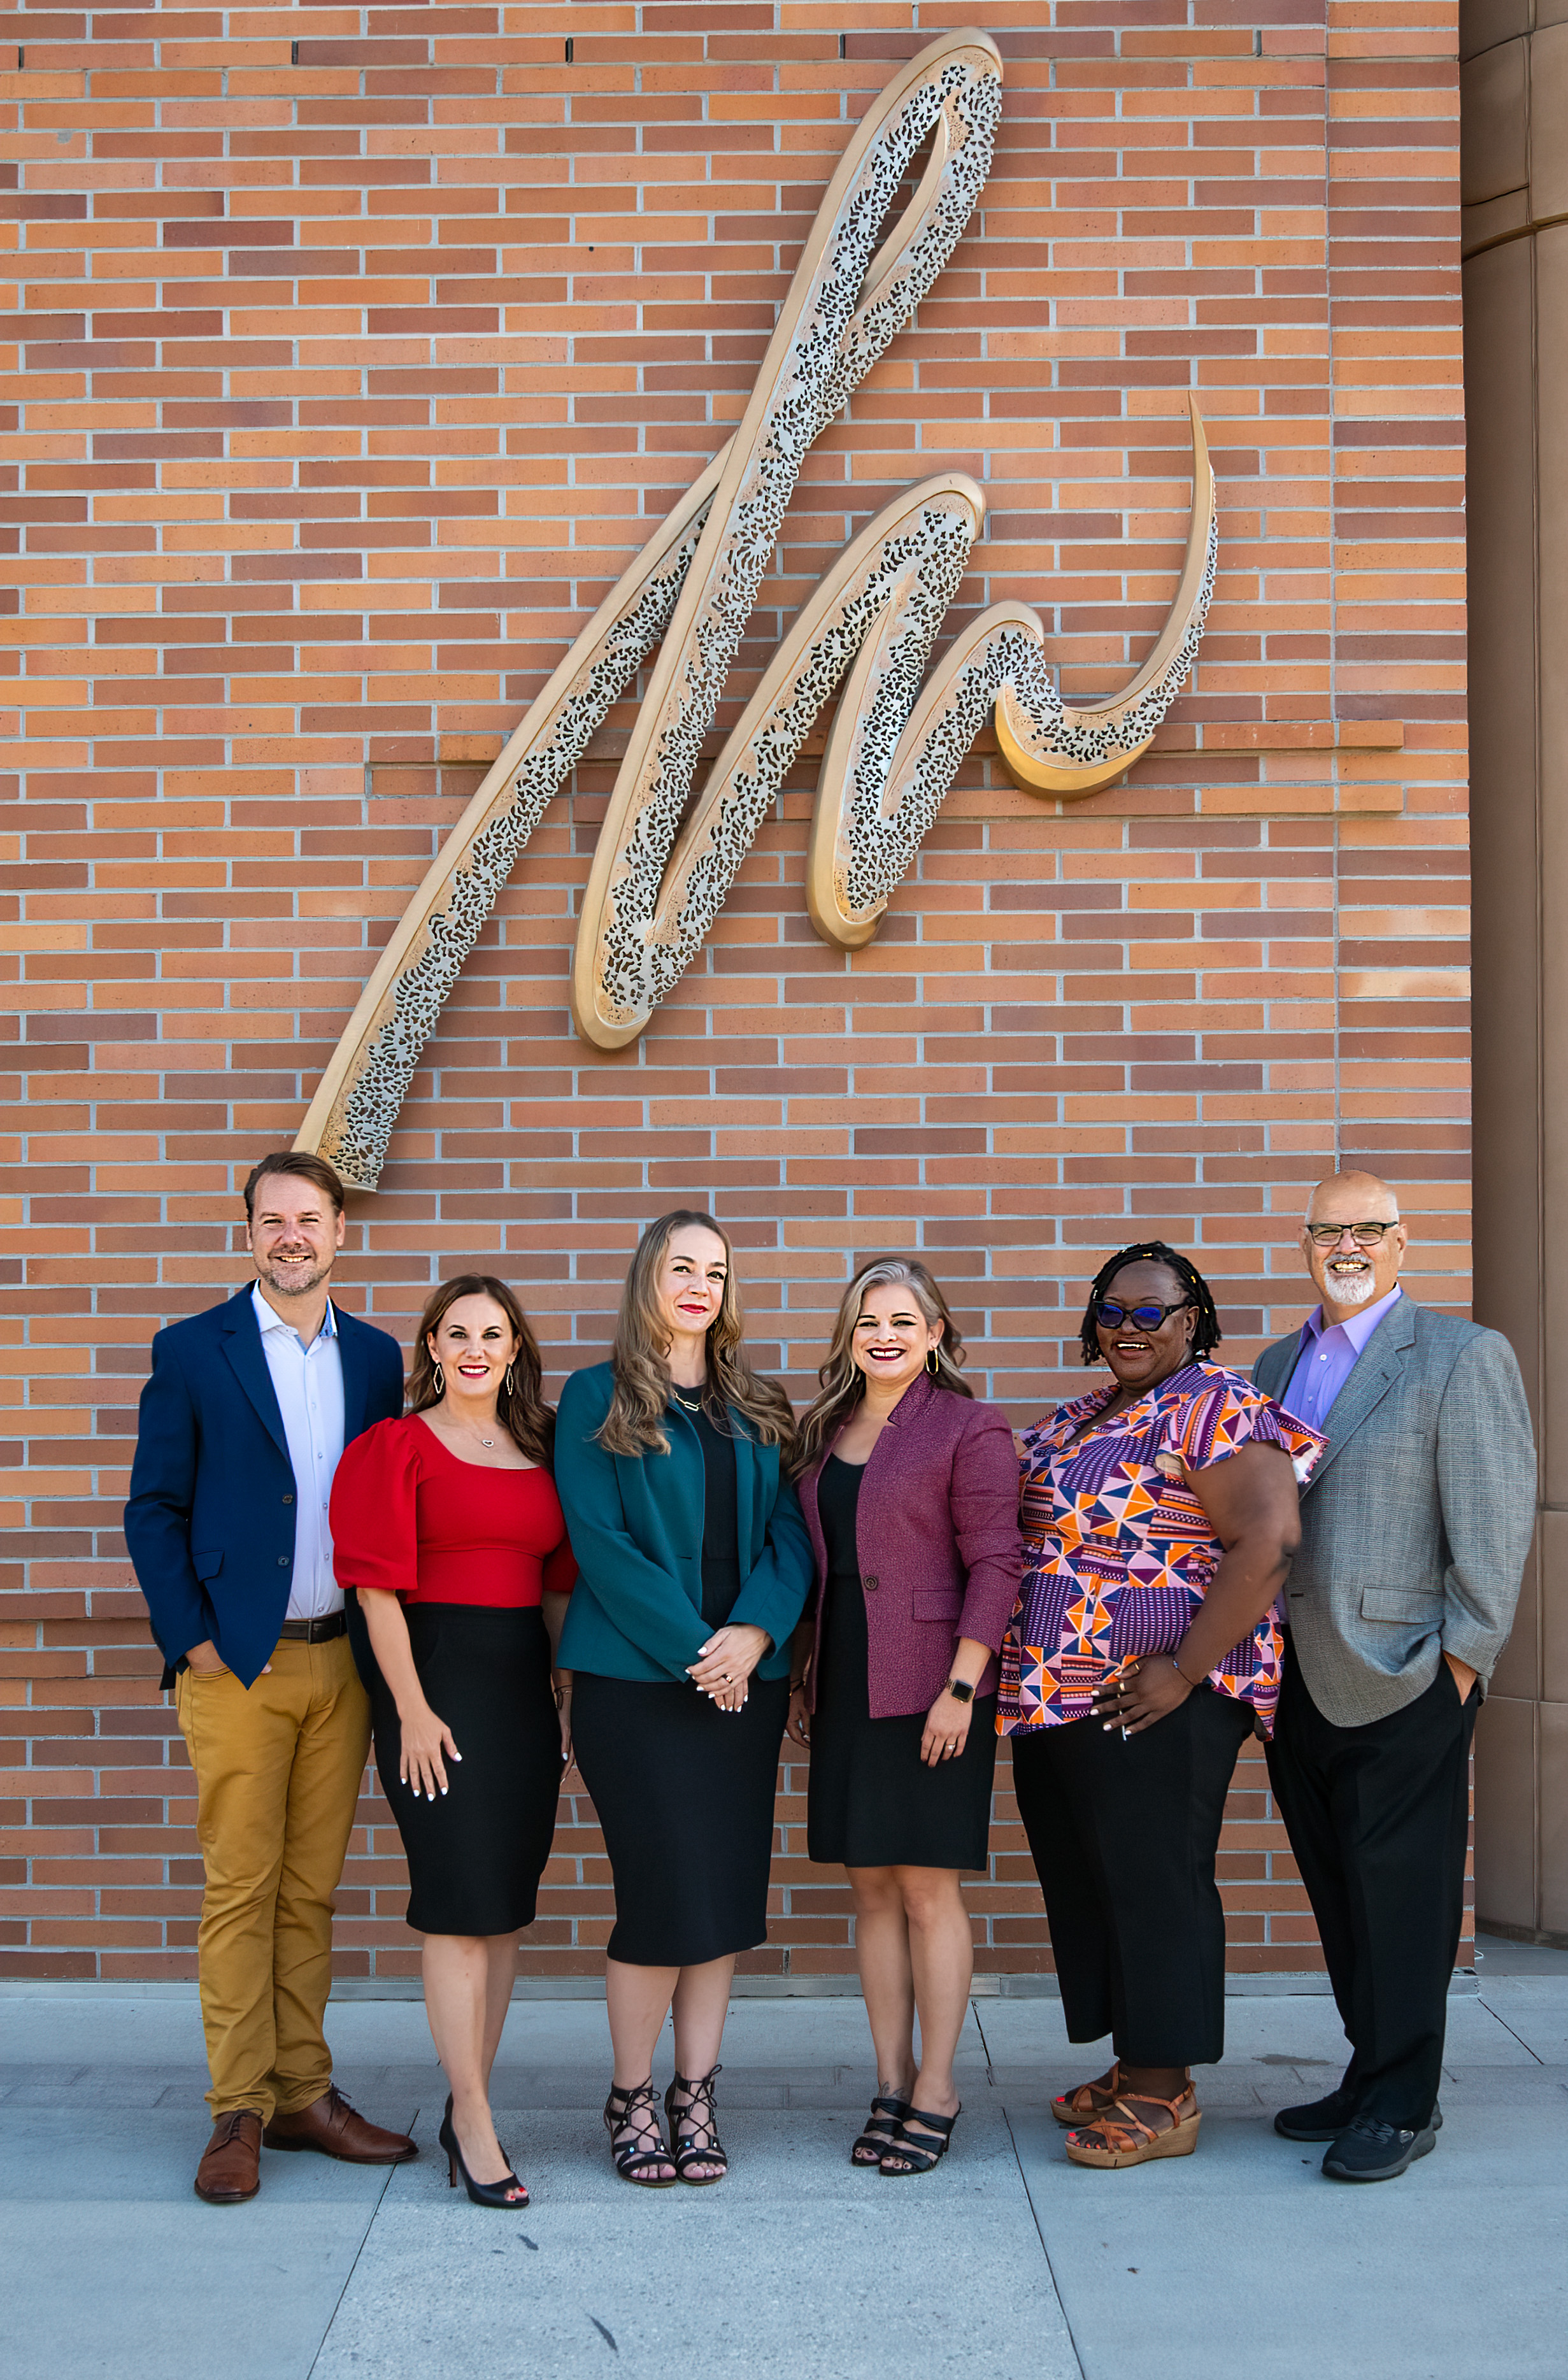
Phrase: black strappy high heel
[686,2135]
[484,2193]
[632,2162]
[881,2130]
[918,2156]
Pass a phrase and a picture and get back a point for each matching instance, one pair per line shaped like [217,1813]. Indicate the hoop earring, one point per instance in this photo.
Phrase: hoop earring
[511,1384]
[933,1363]
[440,1378]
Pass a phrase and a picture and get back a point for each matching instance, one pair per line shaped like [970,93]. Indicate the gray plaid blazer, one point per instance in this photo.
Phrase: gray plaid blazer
[1415,1524]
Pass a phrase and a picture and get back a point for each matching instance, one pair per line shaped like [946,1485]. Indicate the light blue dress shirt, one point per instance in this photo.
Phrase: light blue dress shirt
[309,1381]
[1327,1357]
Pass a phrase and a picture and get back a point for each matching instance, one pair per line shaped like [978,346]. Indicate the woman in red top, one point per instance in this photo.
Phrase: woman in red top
[448,1533]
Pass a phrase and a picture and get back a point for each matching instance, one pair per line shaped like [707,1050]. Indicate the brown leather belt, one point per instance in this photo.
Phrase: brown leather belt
[313,1631]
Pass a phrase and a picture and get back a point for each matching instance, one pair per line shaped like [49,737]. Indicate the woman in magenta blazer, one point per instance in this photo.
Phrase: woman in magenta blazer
[910,1492]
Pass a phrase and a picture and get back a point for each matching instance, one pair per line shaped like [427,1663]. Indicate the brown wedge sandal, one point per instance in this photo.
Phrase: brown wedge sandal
[1129,2141]
[1090,2099]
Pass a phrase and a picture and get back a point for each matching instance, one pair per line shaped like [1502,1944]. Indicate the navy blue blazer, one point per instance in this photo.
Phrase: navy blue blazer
[209,1522]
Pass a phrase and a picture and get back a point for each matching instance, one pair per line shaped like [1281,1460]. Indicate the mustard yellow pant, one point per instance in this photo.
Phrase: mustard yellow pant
[277,1771]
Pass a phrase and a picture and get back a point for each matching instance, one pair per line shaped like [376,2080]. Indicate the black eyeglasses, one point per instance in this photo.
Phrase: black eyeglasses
[1148,1318]
[1366,1235]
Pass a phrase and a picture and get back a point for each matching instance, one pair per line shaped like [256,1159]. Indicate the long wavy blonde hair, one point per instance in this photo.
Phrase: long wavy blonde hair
[844,1383]
[635,1423]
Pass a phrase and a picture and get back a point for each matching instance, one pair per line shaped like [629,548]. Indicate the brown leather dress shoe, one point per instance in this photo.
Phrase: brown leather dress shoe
[230,2170]
[331,2125]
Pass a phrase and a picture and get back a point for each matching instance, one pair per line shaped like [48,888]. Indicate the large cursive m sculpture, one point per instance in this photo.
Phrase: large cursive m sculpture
[896,743]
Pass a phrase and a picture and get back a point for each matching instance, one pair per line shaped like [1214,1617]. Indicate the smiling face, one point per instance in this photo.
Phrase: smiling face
[1348,1276]
[690,1287]
[473,1343]
[294,1233]
[891,1336]
[1142,1358]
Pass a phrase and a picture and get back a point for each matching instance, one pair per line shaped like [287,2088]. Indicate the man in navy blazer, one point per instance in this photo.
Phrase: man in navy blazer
[241,1425]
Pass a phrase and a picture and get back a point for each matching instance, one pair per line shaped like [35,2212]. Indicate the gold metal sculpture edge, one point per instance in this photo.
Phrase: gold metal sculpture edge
[660,875]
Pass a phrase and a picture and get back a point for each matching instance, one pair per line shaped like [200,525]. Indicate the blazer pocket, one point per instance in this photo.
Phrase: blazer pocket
[1398,1603]
[937,1603]
[207,1565]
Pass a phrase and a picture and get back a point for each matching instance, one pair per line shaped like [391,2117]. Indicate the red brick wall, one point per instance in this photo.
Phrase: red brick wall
[343,388]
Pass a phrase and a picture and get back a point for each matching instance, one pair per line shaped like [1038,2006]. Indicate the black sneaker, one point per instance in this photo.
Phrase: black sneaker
[1369,2150]
[1326,2118]
[1318,2120]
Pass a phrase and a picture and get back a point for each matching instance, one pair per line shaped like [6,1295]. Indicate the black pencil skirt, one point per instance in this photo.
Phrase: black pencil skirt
[476,1854]
[684,1795]
[1124,1835]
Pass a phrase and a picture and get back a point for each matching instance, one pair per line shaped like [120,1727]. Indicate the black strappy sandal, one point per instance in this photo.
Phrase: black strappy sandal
[685,2137]
[920,2156]
[632,2162]
[880,2132]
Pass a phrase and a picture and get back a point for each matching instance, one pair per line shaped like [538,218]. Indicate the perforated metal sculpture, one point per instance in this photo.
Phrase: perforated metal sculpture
[895,745]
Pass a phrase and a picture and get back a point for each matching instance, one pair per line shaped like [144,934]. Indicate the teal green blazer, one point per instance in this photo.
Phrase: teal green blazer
[636,1526]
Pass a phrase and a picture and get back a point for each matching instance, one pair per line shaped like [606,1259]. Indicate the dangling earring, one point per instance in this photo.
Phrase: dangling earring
[440,1378]
[511,1384]
[933,1363]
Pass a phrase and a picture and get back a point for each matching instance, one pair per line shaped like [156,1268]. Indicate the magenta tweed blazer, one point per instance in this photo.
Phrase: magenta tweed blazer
[937,1534]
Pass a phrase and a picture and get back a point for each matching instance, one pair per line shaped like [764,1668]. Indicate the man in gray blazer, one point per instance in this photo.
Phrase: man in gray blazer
[1416,1525]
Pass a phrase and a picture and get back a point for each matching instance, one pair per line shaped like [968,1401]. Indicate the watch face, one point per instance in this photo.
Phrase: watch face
[960,1690]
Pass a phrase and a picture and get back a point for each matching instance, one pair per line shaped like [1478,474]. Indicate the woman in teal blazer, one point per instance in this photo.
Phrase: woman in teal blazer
[694,1566]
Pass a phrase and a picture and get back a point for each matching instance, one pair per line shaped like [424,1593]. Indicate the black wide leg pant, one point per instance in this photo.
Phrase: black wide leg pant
[1379,1820]
[1124,1836]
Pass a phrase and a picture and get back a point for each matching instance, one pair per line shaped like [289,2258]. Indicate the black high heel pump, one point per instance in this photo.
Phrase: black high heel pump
[484,2193]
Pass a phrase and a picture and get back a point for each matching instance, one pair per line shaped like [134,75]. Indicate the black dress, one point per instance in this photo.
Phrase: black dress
[684,1791]
[873,1801]
[470,1551]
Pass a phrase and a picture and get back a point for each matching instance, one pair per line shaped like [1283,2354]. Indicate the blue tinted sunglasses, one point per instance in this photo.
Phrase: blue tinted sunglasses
[1111,1314]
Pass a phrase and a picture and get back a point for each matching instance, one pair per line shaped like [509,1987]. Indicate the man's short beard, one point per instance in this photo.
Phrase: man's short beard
[296,1283]
[1352,1289]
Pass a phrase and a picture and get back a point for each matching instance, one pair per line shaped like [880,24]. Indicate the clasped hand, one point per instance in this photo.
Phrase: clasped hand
[1150,1690]
[726,1664]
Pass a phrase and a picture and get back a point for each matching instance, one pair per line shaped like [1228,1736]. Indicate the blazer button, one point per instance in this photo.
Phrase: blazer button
[288,1499]
[871,1583]
[282,1561]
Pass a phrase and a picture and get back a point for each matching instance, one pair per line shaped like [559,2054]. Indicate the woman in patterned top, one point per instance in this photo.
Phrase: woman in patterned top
[1161,1516]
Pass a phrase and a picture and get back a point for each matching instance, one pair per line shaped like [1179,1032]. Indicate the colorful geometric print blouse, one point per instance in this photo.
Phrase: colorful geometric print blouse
[1121,1552]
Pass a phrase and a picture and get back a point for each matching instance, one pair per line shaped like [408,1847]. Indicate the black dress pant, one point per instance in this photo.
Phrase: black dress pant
[1124,1835]
[1379,1820]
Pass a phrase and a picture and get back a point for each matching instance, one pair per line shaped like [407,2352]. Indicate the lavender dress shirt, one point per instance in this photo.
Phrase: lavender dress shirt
[1327,1359]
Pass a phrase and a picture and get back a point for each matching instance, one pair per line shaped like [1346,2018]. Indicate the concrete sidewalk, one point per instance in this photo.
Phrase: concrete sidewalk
[1007,2263]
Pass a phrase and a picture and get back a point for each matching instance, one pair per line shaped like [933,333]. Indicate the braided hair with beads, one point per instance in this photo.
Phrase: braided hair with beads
[1207,1335]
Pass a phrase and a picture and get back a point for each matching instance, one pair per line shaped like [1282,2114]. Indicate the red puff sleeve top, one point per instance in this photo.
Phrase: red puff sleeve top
[411,1518]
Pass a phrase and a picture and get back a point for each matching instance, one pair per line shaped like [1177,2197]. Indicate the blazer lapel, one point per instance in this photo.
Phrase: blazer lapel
[355,1373]
[242,1345]
[688,1485]
[748,1457]
[1276,1365]
[1377,1368]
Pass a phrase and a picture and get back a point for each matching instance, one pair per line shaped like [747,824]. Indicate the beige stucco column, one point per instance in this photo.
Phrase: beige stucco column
[1514,142]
